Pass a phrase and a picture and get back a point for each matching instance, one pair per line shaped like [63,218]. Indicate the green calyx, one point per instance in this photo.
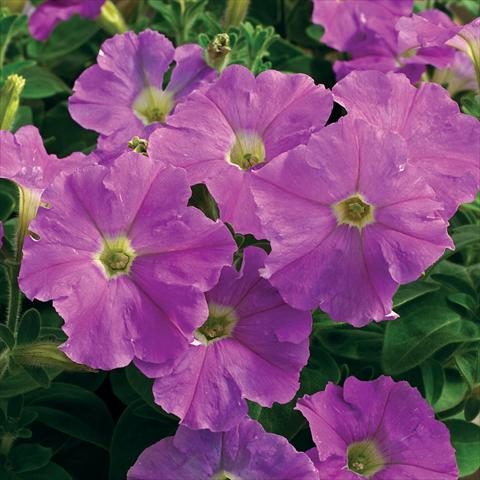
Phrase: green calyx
[220,324]
[116,257]
[10,100]
[247,151]
[365,458]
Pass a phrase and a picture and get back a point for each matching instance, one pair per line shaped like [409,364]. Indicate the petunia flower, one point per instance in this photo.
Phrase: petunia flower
[123,95]
[419,40]
[26,162]
[459,76]
[125,261]
[244,452]
[353,25]
[467,40]
[348,221]
[253,346]
[378,430]
[50,13]
[442,143]
[222,134]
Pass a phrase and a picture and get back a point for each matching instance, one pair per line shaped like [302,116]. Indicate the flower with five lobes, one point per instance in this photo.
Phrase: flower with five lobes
[124,264]
[245,452]
[122,96]
[348,220]
[223,134]
[253,346]
[442,143]
[50,13]
[378,430]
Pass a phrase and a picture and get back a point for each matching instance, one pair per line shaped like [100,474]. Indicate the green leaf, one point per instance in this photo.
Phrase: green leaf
[29,327]
[140,383]
[66,37]
[453,393]
[315,32]
[38,374]
[134,433]
[41,83]
[424,326]
[6,336]
[465,439]
[52,471]
[472,407]
[471,104]
[7,205]
[411,291]
[74,411]
[433,377]
[464,236]
[18,381]
[28,457]
[121,387]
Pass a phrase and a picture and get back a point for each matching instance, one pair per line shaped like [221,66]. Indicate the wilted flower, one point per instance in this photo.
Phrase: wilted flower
[125,267]
[122,96]
[442,143]
[50,13]
[253,346]
[222,134]
[379,430]
[348,220]
[244,452]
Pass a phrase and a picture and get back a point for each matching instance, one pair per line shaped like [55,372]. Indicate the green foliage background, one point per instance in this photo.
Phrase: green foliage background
[67,424]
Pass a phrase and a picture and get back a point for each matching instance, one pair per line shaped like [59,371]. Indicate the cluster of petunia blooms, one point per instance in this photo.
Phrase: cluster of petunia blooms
[351,210]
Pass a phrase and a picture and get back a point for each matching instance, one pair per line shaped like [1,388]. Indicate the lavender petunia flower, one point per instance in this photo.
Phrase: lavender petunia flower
[125,267]
[244,452]
[467,40]
[457,77]
[123,95]
[26,162]
[380,430]
[420,40]
[253,346]
[353,25]
[348,221]
[50,13]
[222,134]
[442,143]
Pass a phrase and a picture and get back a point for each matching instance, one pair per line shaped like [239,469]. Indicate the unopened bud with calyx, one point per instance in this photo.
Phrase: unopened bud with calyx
[218,51]
[235,12]
[10,100]
[111,20]
[46,354]
[138,145]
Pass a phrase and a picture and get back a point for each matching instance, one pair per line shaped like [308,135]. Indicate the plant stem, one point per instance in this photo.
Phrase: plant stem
[14,297]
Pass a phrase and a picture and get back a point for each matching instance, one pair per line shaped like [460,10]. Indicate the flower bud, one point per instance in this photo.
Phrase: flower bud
[10,100]
[46,354]
[111,20]
[236,12]
[218,51]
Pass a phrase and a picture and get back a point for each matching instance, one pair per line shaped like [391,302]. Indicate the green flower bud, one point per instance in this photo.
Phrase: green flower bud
[10,100]
[111,20]
[218,51]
